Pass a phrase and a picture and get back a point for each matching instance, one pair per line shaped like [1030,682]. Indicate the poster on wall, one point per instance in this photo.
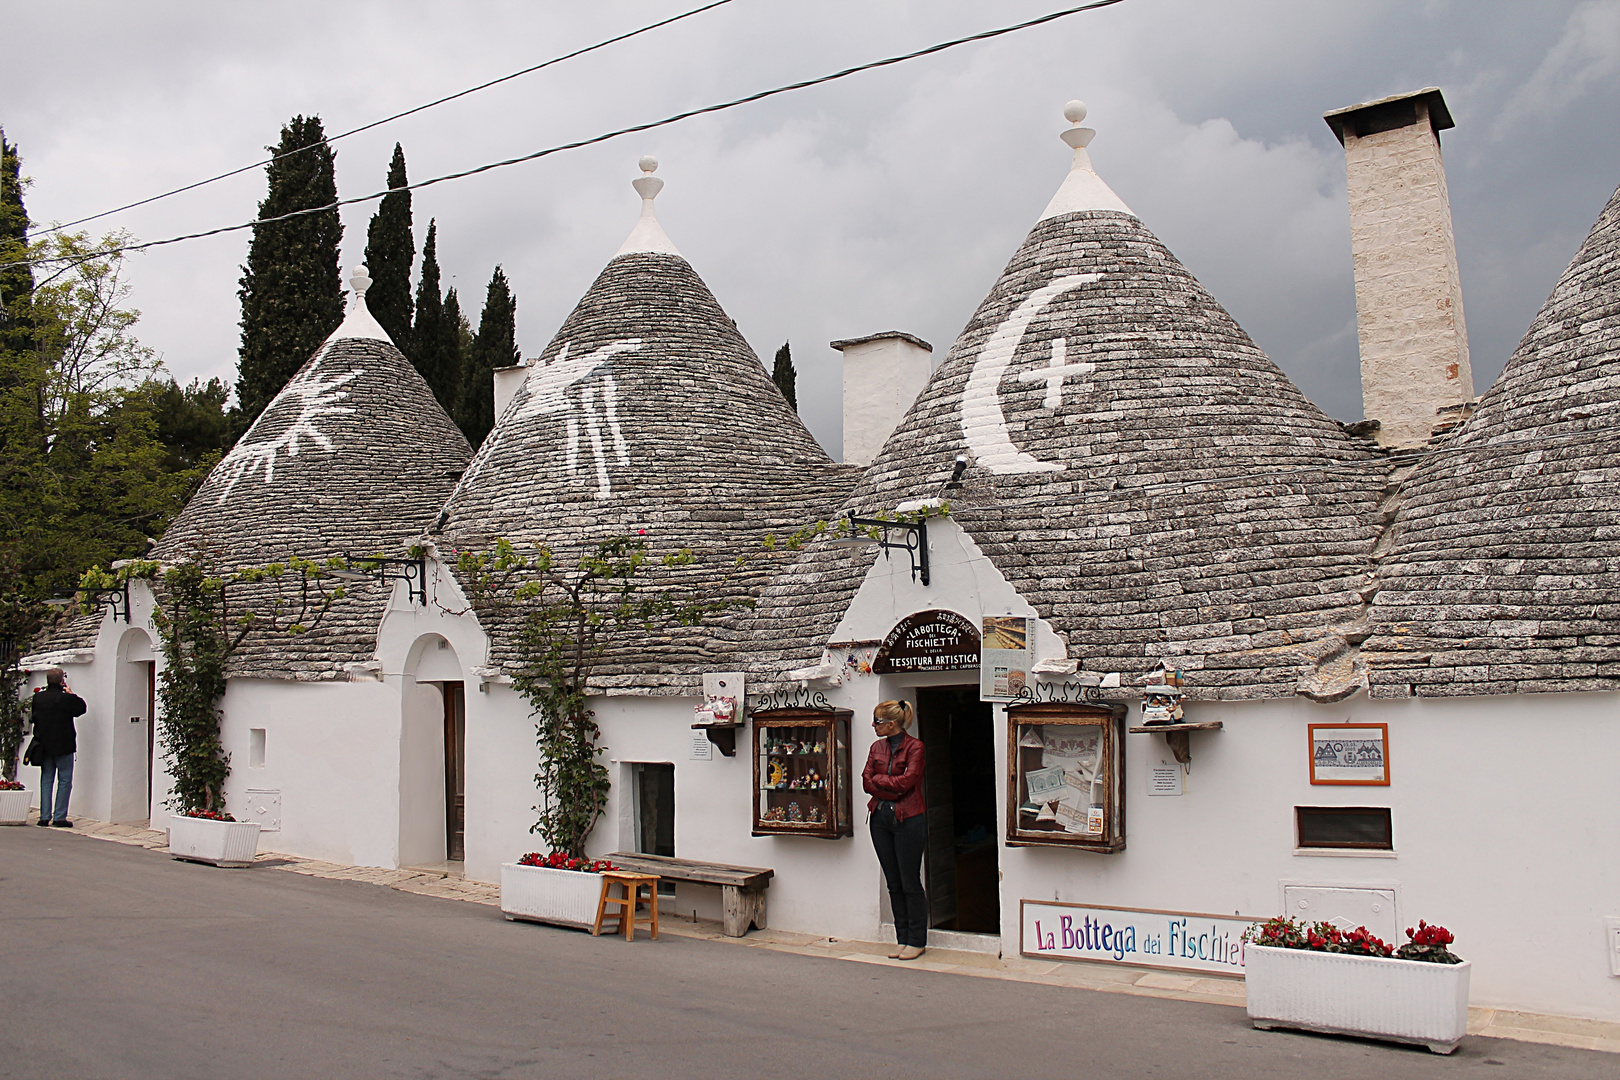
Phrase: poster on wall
[1180,940]
[1350,754]
[1005,654]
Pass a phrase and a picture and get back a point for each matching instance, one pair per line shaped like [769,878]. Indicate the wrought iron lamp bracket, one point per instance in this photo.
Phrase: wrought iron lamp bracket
[914,540]
[413,572]
[115,599]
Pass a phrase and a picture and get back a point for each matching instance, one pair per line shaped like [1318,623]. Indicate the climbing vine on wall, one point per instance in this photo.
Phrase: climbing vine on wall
[573,611]
[202,617]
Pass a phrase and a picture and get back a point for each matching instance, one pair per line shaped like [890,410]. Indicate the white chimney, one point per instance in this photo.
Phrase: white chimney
[507,381]
[883,374]
[1409,309]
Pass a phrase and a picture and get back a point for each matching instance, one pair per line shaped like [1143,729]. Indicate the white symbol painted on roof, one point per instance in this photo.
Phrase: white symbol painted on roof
[289,419]
[544,394]
[984,424]
[545,386]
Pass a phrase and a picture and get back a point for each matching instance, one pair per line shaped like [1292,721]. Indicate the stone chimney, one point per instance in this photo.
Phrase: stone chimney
[883,374]
[1409,310]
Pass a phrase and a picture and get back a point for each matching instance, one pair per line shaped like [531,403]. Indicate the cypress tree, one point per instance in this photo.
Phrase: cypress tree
[292,298]
[436,337]
[16,282]
[785,377]
[390,250]
[494,346]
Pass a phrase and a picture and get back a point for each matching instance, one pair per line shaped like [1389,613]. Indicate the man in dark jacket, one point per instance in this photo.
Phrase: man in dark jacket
[54,710]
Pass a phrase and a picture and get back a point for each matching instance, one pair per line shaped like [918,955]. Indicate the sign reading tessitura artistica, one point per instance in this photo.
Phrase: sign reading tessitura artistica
[929,641]
[1209,944]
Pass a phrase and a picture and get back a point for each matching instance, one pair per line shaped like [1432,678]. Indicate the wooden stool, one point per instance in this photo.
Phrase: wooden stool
[627,903]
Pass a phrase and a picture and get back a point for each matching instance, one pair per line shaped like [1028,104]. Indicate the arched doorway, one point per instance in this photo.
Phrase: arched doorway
[433,753]
[133,736]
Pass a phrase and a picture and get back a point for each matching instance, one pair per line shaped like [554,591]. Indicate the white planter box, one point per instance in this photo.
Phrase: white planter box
[1399,1000]
[541,894]
[222,843]
[14,807]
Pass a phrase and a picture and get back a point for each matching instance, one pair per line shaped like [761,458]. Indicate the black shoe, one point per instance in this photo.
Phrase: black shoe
[63,824]
[43,823]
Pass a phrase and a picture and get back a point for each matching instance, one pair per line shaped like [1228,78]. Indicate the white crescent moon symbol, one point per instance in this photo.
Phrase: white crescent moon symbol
[984,425]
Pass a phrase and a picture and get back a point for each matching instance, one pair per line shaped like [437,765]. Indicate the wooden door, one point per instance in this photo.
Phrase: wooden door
[455,771]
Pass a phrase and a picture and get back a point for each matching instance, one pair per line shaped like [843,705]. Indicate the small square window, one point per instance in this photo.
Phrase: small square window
[1355,827]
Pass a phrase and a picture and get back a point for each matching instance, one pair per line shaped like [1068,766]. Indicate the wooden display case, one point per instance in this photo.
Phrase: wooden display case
[1066,776]
[801,773]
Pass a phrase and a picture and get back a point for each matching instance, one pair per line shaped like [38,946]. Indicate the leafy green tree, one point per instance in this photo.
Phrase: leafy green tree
[437,334]
[785,377]
[192,423]
[292,298]
[85,476]
[390,250]
[495,346]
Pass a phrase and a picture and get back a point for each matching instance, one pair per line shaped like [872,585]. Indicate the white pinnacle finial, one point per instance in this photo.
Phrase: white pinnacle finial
[648,235]
[1082,189]
[1078,137]
[647,185]
[359,323]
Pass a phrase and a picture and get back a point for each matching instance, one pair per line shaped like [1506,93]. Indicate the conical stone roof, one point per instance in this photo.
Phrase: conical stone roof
[647,415]
[1505,566]
[1142,473]
[354,456]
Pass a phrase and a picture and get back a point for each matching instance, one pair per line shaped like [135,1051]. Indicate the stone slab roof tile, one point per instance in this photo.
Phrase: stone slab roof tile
[354,456]
[1506,562]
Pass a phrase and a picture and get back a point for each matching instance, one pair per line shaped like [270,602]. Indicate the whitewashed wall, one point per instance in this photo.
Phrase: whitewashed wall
[109,768]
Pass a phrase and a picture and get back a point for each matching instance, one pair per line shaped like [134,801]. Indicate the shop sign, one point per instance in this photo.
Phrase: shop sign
[1006,657]
[929,641]
[1182,940]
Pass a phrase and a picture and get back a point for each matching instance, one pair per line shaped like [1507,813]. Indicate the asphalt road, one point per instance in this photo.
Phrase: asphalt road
[121,962]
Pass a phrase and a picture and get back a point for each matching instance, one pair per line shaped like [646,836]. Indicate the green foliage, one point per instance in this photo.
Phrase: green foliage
[96,453]
[20,619]
[17,279]
[390,250]
[572,610]
[785,378]
[436,337]
[494,347]
[291,297]
[191,622]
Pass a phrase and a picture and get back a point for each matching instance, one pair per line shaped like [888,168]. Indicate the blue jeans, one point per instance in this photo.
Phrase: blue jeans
[59,770]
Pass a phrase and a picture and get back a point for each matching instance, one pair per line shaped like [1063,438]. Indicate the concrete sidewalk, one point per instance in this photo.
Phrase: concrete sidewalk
[1107,978]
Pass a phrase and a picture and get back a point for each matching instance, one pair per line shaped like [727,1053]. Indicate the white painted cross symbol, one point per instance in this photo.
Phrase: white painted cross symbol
[1055,372]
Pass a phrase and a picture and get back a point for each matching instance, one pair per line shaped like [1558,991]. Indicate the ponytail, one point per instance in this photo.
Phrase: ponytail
[895,710]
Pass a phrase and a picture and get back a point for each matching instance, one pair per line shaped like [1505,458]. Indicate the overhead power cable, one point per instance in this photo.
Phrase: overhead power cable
[604,137]
[396,116]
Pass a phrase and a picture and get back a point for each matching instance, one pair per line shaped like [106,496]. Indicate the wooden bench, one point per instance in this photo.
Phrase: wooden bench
[742,888]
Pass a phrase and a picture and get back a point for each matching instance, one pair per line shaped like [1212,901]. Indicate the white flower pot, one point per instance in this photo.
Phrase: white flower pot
[14,807]
[541,894]
[222,843]
[1406,1001]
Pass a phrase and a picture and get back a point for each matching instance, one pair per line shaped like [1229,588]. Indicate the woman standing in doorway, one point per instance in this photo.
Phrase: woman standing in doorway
[894,778]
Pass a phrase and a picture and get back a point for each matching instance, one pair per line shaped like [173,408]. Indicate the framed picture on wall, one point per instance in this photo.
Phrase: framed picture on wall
[1350,754]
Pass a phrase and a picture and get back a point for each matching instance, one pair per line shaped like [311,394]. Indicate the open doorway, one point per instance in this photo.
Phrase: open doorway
[655,813]
[958,733]
[455,771]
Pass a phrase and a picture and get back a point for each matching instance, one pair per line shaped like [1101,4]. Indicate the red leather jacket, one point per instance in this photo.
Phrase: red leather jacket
[898,780]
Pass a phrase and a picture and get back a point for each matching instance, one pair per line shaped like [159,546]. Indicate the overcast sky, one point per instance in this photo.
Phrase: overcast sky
[889,200]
